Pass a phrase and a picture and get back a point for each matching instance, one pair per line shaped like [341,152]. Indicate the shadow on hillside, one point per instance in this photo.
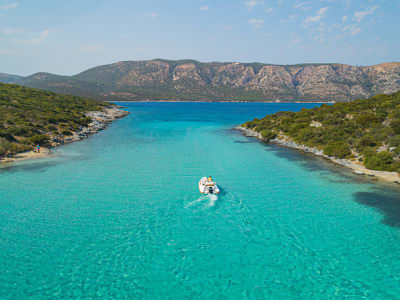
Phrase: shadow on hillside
[386,202]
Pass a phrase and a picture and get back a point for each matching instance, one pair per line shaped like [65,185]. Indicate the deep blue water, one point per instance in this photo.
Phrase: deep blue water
[119,215]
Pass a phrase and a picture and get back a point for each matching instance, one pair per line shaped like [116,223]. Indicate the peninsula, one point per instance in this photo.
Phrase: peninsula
[363,135]
[30,117]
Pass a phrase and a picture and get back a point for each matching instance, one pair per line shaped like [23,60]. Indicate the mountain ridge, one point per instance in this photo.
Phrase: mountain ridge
[191,80]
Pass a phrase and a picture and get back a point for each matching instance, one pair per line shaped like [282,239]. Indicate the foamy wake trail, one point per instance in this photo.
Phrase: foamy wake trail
[211,200]
[195,201]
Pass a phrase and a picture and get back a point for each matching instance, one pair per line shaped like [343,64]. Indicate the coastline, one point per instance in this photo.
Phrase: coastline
[222,101]
[355,166]
[100,120]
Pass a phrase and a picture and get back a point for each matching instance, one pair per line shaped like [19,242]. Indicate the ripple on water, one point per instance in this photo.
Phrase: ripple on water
[119,215]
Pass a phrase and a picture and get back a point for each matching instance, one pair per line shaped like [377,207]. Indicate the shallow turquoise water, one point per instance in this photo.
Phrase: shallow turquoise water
[119,215]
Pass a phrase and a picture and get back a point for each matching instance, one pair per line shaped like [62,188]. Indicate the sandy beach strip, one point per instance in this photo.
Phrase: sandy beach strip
[44,152]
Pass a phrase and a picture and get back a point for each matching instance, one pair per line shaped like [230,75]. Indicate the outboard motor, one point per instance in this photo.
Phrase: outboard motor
[210,189]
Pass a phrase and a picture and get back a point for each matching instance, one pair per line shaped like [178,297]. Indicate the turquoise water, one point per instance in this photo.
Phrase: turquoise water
[119,215]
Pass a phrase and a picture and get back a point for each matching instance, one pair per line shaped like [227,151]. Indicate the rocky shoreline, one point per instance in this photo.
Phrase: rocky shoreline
[356,166]
[100,120]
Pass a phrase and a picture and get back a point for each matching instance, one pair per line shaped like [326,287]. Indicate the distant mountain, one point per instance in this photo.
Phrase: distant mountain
[161,79]
[7,78]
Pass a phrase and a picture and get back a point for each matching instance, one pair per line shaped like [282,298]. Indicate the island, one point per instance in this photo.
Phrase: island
[31,117]
[363,135]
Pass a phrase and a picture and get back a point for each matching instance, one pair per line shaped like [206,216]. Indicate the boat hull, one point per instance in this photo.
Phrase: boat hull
[206,187]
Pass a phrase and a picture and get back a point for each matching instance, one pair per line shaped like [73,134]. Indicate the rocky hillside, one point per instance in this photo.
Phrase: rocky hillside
[191,80]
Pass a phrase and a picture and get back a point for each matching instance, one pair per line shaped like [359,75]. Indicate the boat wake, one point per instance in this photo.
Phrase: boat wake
[209,201]
[213,198]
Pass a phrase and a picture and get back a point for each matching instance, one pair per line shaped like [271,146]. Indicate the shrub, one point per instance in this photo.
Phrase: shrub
[394,141]
[366,141]
[4,146]
[16,148]
[6,135]
[395,124]
[267,135]
[40,139]
[365,119]
[337,149]
[52,128]
[20,131]
[67,132]
[382,161]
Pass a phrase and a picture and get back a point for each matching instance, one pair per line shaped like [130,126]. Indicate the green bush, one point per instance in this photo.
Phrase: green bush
[20,131]
[40,139]
[395,124]
[365,119]
[379,161]
[51,128]
[67,132]
[267,135]
[337,149]
[394,141]
[366,141]
[4,146]
[16,148]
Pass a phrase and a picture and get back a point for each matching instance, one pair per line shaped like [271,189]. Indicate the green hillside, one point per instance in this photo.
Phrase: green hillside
[365,130]
[30,116]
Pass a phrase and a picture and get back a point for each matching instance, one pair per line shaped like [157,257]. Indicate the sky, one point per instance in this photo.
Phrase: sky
[68,37]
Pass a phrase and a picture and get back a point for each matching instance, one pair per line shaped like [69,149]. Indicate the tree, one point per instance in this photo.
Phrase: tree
[337,149]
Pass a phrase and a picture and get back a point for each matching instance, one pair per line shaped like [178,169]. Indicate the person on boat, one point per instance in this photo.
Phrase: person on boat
[209,179]
[38,148]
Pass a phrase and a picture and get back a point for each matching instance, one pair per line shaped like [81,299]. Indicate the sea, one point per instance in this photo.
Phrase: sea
[119,215]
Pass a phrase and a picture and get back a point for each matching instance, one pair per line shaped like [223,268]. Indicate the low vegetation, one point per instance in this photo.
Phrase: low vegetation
[364,130]
[30,116]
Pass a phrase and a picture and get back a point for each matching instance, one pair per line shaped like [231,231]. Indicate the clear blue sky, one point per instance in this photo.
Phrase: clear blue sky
[67,37]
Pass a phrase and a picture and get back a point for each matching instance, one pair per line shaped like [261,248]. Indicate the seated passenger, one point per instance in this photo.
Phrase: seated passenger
[209,179]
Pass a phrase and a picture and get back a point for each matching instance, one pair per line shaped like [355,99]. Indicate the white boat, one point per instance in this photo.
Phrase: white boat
[208,187]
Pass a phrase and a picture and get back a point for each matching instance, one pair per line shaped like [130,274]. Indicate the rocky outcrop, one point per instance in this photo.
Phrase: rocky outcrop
[273,81]
[186,75]
[234,75]
[100,120]
[156,73]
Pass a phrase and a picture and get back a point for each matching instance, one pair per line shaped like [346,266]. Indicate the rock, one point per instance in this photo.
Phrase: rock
[358,172]
[382,148]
